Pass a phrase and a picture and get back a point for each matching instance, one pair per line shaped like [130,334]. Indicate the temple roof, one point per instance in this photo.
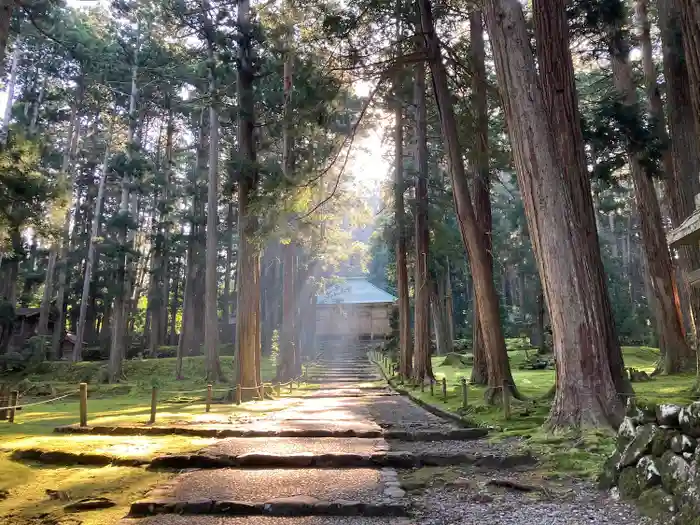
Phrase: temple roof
[355,290]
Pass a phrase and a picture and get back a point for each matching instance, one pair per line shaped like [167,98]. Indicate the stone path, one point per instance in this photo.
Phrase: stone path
[358,475]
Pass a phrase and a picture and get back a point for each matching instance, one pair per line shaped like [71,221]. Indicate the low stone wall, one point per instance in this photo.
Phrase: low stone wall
[657,461]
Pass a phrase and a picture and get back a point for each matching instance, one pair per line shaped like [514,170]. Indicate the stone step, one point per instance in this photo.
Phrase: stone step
[291,431]
[278,492]
[336,460]
[316,381]
[175,519]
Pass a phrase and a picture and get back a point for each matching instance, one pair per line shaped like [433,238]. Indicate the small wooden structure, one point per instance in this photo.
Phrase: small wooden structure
[688,233]
[26,324]
[354,308]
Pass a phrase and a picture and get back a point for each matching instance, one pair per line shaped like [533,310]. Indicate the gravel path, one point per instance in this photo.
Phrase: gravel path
[462,495]
[399,413]
[585,505]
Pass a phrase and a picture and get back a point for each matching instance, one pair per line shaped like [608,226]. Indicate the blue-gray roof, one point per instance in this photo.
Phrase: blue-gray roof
[355,290]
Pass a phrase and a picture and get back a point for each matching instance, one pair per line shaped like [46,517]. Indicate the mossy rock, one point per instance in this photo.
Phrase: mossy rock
[675,472]
[661,442]
[626,432]
[656,503]
[689,419]
[609,475]
[639,446]
[458,360]
[628,483]
[648,472]
[680,443]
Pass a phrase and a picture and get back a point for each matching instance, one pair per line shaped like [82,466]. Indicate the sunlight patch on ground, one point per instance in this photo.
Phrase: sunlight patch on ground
[118,446]
[29,502]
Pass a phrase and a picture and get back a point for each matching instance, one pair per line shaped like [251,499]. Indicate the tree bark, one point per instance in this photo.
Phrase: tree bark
[682,182]
[286,368]
[679,356]
[90,262]
[6,8]
[482,181]
[554,195]
[10,94]
[247,364]
[66,167]
[422,367]
[211,326]
[559,92]
[117,351]
[404,307]
[690,20]
[482,274]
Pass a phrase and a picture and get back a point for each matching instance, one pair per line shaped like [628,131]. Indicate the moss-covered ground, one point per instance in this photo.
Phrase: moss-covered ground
[579,454]
[32,493]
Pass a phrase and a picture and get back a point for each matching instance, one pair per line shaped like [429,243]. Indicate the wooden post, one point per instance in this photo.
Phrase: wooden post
[278,390]
[422,386]
[83,404]
[208,398]
[154,405]
[444,389]
[238,394]
[432,387]
[13,403]
[506,401]
[464,393]
[4,401]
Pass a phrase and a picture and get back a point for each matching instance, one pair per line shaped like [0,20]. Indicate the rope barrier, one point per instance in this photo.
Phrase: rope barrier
[38,402]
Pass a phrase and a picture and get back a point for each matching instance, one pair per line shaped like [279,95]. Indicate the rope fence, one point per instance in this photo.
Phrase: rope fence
[269,389]
[450,390]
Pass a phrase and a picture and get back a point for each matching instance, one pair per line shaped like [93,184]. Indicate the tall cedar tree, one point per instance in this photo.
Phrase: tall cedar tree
[677,353]
[482,180]
[585,390]
[422,369]
[499,374]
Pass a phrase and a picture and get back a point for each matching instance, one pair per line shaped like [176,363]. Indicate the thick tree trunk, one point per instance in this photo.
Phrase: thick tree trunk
[556,197]
[117,351]
[690,20]
[187,322]
[481,185]
[422,367]
[679,355]
[682,183]
[437,310]
[228,310]
[247,373]
[90,262]
[559,91]
[57,336]
[9,94]
[6,8]
[449,306]
[286,367]
[499,374]
[211,326]
[404,307]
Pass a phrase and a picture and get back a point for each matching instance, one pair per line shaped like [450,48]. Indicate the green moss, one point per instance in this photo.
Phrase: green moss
[428,477]
[655,503]
[29,503]
[628,483]
[577,453]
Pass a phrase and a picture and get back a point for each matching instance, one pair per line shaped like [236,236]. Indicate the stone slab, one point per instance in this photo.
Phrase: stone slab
[174,519]
[262,485]
[238,446]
